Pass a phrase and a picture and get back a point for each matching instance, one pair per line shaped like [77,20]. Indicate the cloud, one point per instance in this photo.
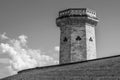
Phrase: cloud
[57,48]
[10,70]
[3,36]
[23,39]
[22,57]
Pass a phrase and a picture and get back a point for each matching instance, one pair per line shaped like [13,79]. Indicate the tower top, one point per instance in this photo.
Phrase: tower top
[77,11]
[81,13]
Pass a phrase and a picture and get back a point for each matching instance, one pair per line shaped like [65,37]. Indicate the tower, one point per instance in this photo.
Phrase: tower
[77,37]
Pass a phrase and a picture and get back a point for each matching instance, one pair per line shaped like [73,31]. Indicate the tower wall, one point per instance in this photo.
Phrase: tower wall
[90,41]
[65,46]
[78,43]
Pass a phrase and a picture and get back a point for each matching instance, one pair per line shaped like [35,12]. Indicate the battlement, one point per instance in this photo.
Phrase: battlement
[77,12]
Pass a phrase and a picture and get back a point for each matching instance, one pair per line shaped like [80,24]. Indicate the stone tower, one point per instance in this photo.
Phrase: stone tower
[77,38]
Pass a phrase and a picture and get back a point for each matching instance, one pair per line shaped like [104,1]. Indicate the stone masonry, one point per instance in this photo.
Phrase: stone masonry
[77,40]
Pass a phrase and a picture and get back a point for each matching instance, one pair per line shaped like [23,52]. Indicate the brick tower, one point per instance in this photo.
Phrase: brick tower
[77,39]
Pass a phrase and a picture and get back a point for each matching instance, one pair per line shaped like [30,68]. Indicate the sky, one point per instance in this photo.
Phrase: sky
[28,27]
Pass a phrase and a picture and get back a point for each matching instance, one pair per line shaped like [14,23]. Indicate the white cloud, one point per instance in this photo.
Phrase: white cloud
[23,39]
[3,36]
[22,57]
[57,48]
[10,70]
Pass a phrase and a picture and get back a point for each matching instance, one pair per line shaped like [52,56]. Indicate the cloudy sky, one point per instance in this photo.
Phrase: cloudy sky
[28,31]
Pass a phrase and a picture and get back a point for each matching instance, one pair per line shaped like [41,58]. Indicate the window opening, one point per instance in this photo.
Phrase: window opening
[78,38]
[65,39]
[90,39]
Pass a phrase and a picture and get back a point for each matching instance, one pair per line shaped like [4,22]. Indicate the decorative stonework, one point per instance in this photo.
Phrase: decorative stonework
[77,11]
[77,40]
[73,20]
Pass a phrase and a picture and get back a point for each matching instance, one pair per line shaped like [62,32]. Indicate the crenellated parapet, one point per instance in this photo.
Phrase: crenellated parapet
[77,11]
[76,15]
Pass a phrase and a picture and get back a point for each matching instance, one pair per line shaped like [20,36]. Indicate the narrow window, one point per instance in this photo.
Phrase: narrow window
[78,38]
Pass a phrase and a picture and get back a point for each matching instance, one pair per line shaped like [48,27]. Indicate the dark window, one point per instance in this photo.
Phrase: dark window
[65,39]
[90,39]
[78,38]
